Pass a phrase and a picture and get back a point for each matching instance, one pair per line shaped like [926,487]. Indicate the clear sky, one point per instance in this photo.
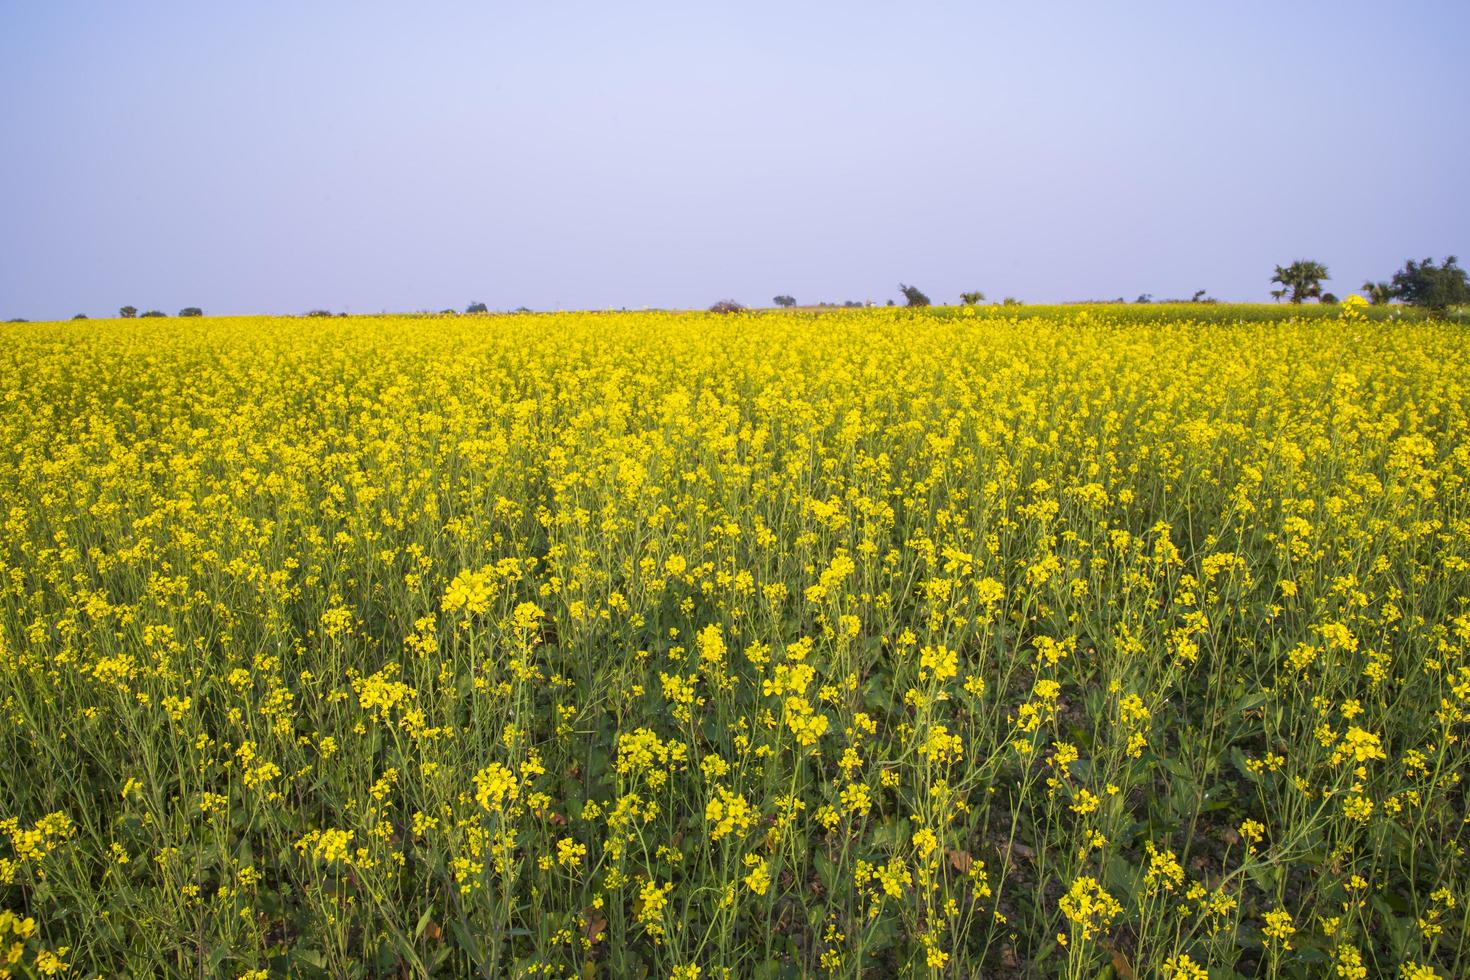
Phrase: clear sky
[363,156]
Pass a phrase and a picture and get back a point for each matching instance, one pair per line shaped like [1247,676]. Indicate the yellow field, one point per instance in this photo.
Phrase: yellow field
[1001,642]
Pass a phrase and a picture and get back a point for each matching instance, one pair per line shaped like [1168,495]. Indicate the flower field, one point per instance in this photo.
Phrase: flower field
[1076,642]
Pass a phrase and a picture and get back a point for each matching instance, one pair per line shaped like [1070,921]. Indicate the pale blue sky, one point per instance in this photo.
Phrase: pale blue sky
[276,157]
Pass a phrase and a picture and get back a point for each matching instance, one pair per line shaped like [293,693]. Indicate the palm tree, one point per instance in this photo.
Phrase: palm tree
[1300,280]
[1379,293]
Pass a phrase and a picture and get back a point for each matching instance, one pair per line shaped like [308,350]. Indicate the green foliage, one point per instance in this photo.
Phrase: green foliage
[191,311]
[128,312]
[1302,280]
[477,308]
[1378,293]
[1435,288]
[913,296]
[973,298]
[786,302]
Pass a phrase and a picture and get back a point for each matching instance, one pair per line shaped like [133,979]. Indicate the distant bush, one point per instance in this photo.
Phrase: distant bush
[80,316]
[154,313]
[191,311]
[477,308]
[1435,288]
[784,301]
[974,298]
[1010,301]
[726,306]
[320,313]
[913,296]
[128,312]
[1379,293]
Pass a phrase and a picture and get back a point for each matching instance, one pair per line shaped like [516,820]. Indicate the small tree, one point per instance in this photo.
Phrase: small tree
[1379,293]
[1300,281]
[1329,299]
[784,301]
[128,312]
[726,306]
[973,298]
[1435,288]
[80,316]
[191,311]
[913,296]
[477,308]
[154,313]
[1145,298]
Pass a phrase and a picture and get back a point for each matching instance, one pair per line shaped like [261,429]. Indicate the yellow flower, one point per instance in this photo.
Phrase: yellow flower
[569,853]
[730,813]
[1089,907]
[940,663]
[758,875]
[941,746]
[652,898]
[1182,967]
[856,799]
[1279,927]
[470,592]
[495,786]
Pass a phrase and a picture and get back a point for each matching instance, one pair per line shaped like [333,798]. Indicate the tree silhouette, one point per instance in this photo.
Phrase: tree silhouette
[784,301]
[128,312]
[913,296]
[1299,281]
[1436,288]
[1379,293]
